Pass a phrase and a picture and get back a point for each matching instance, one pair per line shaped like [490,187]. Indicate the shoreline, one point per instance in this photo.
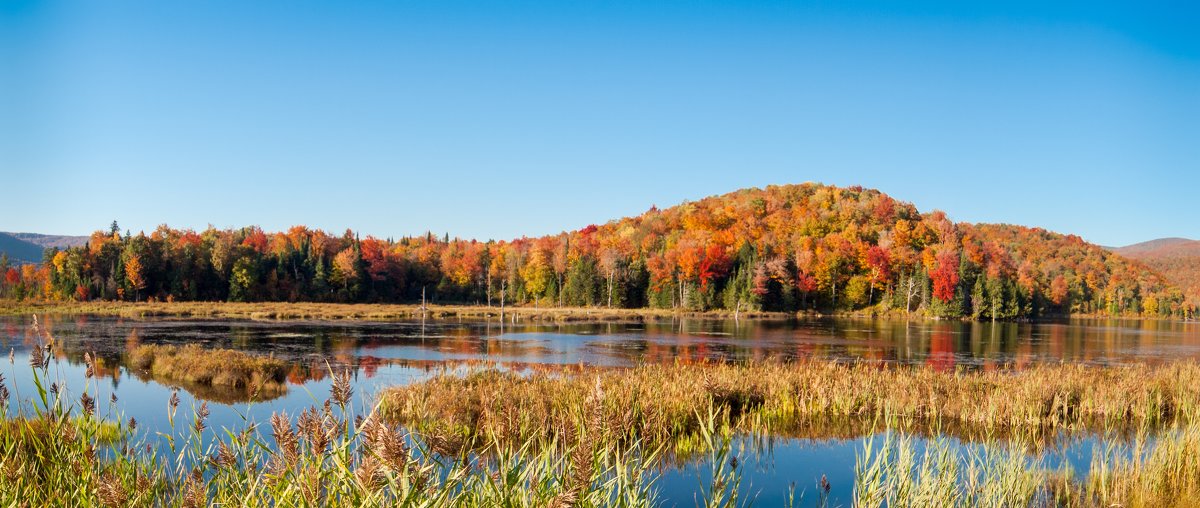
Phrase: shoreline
[366,311]
[284,311]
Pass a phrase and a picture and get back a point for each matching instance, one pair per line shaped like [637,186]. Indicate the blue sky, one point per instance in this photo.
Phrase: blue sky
[498,119]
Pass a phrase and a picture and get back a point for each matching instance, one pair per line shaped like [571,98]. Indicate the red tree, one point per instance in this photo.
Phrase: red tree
[945,276]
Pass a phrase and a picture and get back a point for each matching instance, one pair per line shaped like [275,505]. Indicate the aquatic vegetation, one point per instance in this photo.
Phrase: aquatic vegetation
[1164,471]
[212,369]
[58,452]
[659,402]
[589,437]
[895,471]
[363,311]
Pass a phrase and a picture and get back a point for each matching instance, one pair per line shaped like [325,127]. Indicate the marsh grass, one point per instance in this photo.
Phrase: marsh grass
[361,311]
[658,402]
[602,439]
[217,373]
[59,450]
[1159,472]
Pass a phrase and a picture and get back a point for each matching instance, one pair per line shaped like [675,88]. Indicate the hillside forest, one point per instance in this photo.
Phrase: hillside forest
[806,247]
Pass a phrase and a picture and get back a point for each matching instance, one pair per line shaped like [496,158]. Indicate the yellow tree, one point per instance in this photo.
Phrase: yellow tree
[135,275]
[537,274]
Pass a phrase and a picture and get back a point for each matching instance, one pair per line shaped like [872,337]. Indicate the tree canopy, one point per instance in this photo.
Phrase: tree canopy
[782,248]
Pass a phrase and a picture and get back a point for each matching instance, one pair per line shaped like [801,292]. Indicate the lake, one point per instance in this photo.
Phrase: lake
[382,354]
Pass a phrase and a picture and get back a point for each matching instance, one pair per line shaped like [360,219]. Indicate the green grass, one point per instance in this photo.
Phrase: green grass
[1163,473]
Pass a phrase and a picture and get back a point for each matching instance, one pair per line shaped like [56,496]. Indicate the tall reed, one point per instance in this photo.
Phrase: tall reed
[659,402]
[60,450]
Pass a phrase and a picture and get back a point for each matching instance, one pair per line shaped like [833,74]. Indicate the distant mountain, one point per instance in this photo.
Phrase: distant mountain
[1177,259]
[28,247]
[48,241]
[20,251]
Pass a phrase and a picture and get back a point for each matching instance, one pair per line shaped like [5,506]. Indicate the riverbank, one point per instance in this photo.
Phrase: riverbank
[364,311]
[387,312]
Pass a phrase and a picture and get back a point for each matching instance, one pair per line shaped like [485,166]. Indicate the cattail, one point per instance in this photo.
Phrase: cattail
[36,357]
[386,444]
[369,475]
[88,404]
[224,457]
[172,406]
[66,432]
[285,438]
[311,427]
[201,415]
[110,491]
[341,391]
[194,495]
[141,481]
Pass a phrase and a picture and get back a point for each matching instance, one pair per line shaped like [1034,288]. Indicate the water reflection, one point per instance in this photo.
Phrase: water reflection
[382,354]
[374,349]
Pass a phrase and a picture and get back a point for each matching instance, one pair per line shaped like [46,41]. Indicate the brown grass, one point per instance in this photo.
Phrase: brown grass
[659,402]
[216,373]
[360,311]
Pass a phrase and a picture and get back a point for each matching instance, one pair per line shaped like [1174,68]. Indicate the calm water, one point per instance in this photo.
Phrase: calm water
[383,354]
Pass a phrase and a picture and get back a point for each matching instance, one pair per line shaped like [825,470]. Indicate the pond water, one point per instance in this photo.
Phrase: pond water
[382,354]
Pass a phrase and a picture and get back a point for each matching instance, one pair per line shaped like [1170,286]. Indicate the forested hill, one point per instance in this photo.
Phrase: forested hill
[1177,259]
[786,248]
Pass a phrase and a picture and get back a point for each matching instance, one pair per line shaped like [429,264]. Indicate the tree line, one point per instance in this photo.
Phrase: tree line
[782,248]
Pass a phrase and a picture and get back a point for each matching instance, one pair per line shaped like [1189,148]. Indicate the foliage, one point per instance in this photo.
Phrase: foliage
[782,248]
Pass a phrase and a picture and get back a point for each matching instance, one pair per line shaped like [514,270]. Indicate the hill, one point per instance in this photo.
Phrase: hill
[20,251]
[1177,259]
[784,248]
[51,241]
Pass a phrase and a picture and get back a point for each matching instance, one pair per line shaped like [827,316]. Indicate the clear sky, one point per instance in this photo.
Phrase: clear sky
[500,119]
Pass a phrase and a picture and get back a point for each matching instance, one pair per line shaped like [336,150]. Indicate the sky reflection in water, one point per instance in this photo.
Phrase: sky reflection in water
[382,354]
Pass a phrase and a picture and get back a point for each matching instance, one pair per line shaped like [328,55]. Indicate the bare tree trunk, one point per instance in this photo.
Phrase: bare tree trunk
[489,287]
[610,287]
[910,291]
